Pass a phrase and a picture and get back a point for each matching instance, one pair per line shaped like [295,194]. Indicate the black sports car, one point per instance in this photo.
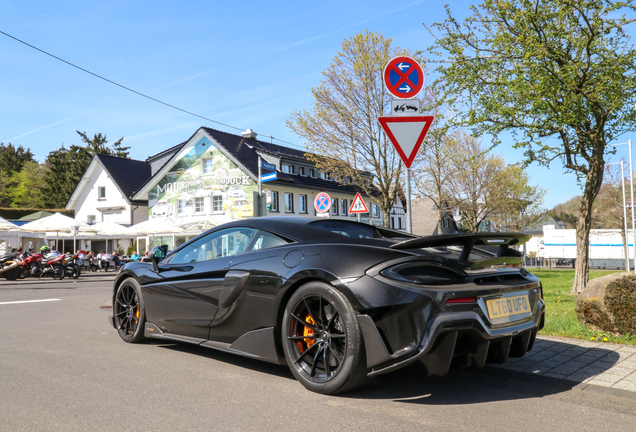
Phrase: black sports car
[338,301]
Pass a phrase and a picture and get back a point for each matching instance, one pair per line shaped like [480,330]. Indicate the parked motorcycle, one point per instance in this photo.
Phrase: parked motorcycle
[53,266]
[72,266]
[10,266]
[32,263]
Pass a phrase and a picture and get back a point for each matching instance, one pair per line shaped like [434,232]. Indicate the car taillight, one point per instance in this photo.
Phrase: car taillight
[423,273]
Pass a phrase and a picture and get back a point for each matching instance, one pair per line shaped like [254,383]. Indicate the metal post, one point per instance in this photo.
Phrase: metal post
[260,189]
[631,181]
[409,221]
[625,218]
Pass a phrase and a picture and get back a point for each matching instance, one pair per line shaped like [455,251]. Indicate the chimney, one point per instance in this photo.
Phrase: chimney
[249,133]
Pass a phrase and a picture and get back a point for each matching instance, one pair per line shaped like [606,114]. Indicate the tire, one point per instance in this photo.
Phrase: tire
[26,272]
[74,271]
[12,274]
[58,272]
[129,312]
[322,340]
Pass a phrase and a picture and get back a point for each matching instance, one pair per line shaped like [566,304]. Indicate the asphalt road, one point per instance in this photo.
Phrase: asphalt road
[63,368]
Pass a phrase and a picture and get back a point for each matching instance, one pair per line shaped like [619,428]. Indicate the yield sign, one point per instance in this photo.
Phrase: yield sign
[358,205]
[406,134]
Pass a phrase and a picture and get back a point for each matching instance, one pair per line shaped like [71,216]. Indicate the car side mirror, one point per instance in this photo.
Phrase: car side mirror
[158,253]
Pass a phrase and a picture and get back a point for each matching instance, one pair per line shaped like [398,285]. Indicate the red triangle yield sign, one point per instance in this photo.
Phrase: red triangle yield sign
[358,205]
[406,134]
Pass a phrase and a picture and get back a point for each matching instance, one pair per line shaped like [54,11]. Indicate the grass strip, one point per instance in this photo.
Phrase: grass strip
[560,302]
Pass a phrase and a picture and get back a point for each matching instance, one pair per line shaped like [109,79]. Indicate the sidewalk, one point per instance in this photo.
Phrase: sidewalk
[584,362]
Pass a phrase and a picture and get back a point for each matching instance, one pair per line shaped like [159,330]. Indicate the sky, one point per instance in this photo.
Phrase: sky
[245,64]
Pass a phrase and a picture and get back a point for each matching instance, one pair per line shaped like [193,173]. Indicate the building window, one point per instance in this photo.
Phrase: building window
[101,192]
[399,222]
[301,171]
[312,172]
[289,169]
[289,202]
[274,201]
[198,205]
[334,206]
[343,207]
[217,203]
[207,166]
[90,219]
[376,210]
[302,204]
[182,206]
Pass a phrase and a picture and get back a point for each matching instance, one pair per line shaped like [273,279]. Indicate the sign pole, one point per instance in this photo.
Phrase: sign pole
[260,189]
[631,181]
[625,218]
[409,221]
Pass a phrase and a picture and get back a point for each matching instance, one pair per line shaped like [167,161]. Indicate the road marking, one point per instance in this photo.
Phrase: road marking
[29,301]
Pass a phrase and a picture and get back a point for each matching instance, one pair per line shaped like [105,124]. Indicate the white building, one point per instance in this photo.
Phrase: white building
[213,176]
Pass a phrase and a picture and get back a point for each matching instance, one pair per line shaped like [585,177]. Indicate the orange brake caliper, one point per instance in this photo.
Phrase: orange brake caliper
[307,332]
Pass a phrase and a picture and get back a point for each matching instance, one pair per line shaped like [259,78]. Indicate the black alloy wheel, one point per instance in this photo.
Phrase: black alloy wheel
[73,270]
[128,310]
[58,271]
[36,270]
[322,340]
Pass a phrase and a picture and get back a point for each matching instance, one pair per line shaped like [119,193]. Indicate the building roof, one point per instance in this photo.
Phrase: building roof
[127,174]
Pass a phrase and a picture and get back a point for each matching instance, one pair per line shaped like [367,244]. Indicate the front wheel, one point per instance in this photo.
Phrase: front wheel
[58,271]
[128,310]
[73,270]
[322,340]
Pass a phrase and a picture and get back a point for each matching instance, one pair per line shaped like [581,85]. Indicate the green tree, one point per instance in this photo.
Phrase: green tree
[29,186]
[342,131]
[12,159]
[67,166]
[558,74]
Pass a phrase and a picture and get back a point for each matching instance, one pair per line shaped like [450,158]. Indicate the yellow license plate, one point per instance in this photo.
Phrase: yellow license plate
[507,306]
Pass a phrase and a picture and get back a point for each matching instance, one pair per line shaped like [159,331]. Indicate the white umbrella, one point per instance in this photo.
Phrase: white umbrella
[6,225]
[57,223]
[153,227]
[110,228]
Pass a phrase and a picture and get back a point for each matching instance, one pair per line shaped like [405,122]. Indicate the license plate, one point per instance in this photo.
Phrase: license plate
[507,306]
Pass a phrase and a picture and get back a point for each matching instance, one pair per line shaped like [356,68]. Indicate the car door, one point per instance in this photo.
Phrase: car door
[183,296]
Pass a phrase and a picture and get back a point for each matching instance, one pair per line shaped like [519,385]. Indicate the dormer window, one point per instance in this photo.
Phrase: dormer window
[289,169]
[301,171]
[312,172]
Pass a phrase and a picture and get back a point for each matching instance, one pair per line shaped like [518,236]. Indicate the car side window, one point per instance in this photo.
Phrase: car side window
[266,240]
[219,244]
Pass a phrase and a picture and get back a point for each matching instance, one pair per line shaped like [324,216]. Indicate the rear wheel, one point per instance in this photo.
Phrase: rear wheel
[25,272]
[73,270]
[322,340]
[128,310]
[12,274]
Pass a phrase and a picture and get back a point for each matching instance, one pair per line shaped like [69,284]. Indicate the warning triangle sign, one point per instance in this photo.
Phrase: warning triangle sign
[406,134]
[358,205]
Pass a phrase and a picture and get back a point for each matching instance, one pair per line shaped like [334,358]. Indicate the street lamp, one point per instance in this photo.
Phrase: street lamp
[624,215]
[631,181]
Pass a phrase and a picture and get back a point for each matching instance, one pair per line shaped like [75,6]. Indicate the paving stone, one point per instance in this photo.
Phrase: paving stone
[625,385]
[600,383]
[608,377]
[573,365]
[591,344]
[603,364]
[580,377]
[627,349]
[554,375]
[536,371]
[631,377]
[618,370]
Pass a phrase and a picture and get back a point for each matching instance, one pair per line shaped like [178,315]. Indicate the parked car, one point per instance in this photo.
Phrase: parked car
[337,301]
[238,208]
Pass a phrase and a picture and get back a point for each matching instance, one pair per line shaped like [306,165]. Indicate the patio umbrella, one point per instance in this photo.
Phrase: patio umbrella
[6,225]
[110,228]
[154,226]
[57,223]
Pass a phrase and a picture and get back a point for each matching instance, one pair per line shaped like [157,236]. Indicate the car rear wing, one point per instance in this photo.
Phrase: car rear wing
[468,241]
